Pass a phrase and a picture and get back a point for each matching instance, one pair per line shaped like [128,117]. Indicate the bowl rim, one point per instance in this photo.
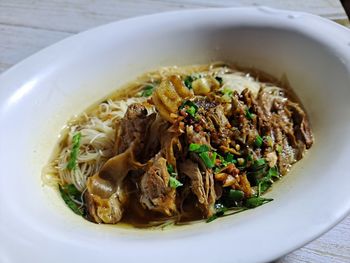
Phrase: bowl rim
[42,55]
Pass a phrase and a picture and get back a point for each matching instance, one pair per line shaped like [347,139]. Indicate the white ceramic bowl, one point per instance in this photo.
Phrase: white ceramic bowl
[40,94]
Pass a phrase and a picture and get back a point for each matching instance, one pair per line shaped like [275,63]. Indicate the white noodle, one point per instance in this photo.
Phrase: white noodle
[98,131]
[96,144]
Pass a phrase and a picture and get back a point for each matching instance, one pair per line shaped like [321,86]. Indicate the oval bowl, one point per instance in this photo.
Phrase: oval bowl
[39,95]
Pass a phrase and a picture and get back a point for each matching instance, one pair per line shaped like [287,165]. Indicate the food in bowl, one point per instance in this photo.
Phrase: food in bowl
[180,144]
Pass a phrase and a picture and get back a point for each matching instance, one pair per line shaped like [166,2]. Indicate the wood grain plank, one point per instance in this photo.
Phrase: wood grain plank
[26,26]
[75,16]
[17,43]
[334,246]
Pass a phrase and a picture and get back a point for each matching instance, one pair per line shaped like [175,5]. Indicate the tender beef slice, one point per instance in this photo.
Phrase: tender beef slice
[286,156]
[301,125]
[105,194]
[247,127]
[265,101]
[217,124]
[261,110]
[200,137]
[286,123]
[218,117]
[239,119]
[201,185]
[133,127]
[153,137]
[170,144]
[156,195]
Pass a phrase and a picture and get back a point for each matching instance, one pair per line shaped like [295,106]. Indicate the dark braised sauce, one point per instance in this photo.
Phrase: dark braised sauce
[193,150]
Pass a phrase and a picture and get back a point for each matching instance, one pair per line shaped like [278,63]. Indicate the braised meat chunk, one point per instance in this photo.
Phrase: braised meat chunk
[191,144]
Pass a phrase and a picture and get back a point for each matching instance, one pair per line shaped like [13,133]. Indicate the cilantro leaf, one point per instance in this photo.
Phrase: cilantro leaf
[198,148]
[253,202]
[258,141]
[174,183]
[209,162]
[74,152]
[147,91]
[67,198]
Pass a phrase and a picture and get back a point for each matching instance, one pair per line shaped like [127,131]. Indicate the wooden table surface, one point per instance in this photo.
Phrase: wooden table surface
[26,26]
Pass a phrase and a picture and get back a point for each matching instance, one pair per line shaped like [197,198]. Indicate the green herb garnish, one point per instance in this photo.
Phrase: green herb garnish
[235,195]
[265,183]
[258,163]
[230,158]
[249,157]
[74,152]
[256,201]
[191,107]
[170,168]
[188,81]
[209,162]
[147,91]
[192,111]
[257,170]
[174,183]
[248,114]
[258,141]
[227,92]
[72,191]
[273,172]
[68,193]
[188,103]
[198,148]
[220,210]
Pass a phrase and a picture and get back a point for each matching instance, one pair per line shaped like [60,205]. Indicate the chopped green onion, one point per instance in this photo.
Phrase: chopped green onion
[72,191]
[249,157]
[264,184]
[174,183]
[256,201]
[198,148]
[192,111]
[259,162]
[147,91]
[258,141]
[212,218]
[67,198]
[188,103]
[170,168]
[227,92]
[257,170]
[209,162]
[220,210]
[213,157]
[235,195]
[188,81]
[230,158]
[74,152]
[248,114]
[273,172]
